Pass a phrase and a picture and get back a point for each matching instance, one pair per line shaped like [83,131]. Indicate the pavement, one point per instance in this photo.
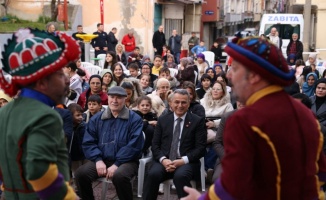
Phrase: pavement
[112,195]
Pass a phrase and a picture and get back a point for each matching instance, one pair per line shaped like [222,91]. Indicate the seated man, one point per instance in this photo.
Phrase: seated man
[178,144]
[113,141]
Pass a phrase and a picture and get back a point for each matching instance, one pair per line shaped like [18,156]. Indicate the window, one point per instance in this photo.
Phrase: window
[285,30]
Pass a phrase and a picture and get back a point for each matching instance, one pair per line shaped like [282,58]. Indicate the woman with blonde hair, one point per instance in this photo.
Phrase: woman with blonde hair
[121,56]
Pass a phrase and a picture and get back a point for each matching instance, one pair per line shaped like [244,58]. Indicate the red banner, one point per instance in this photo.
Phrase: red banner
[102,11]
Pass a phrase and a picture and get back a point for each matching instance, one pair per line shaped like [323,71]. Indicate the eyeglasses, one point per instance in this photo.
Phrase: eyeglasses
[216,89]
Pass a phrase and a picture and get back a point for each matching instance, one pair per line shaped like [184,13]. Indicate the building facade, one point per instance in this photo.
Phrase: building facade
[210,19]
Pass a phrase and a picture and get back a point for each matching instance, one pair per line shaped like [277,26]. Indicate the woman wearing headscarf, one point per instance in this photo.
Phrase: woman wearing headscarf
[312,59]
[319,101]
[308,86]
[201,65]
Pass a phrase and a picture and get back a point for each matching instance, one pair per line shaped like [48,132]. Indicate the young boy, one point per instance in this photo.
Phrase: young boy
[165,73]
[157,65]
[133,69]
[75,144]
[206,82]
[135,57]
[94,106]
[198,48]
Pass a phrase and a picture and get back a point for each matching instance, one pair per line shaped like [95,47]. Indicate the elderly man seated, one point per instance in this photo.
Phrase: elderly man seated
[113,141]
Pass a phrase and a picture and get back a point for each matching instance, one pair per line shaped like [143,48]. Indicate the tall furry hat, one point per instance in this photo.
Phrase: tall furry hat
[32,54]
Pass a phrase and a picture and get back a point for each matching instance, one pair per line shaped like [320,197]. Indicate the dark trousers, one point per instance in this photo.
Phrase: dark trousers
[157,174]
[149,133]
[159,51]
[101,51]
[87,173]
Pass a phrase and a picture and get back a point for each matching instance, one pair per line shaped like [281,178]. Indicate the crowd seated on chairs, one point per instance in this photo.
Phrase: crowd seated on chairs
[147,97]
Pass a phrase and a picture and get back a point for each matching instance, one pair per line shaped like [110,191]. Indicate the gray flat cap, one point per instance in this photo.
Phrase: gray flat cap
[117,90]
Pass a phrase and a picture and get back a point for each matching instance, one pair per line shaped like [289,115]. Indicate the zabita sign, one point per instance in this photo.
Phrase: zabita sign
[280,18]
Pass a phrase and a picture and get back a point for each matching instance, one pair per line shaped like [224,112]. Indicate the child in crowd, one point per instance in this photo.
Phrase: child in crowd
[198,48]
[291,59]
[144,83]
[157,65]
[218,68]
[94,106]
[133,70]
[313,68]
[135,57]
[206,83]
[105,88]
[75,144]
[82,74]
[145,59]
[144,107]
[165,73]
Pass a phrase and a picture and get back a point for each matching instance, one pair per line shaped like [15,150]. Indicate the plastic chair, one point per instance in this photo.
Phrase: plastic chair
[92,69]
[209,57]
[173,72]
[101,60]
[105,186]
[169,182]
[141,174]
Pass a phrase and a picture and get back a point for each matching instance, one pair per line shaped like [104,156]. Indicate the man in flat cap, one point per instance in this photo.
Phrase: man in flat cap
[273,146]
[113,141]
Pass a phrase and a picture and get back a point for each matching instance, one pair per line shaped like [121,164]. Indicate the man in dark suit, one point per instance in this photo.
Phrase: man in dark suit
[80,41]
[100,43]
[112,40]
[178,144]
[158,41]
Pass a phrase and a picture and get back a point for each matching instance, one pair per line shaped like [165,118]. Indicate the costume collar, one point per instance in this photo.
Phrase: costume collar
[124,114]
[33,94]
[261,93]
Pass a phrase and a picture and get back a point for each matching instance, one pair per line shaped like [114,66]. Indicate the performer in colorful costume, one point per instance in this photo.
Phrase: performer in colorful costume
[273,146]
[33,156]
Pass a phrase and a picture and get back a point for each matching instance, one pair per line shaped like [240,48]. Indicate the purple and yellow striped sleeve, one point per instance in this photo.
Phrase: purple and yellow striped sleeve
[216,192]
[52,185]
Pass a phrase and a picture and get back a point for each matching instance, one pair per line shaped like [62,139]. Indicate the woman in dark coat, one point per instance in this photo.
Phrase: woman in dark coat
[195,106]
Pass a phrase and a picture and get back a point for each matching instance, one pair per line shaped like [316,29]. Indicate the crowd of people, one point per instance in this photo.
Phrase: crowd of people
[243,120]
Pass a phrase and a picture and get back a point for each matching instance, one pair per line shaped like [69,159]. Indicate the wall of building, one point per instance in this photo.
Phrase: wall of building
[320,26]
[26,9]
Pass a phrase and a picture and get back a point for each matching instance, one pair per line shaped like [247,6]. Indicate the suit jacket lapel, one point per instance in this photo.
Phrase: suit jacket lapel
[321,109]
[185,128]
[169,128]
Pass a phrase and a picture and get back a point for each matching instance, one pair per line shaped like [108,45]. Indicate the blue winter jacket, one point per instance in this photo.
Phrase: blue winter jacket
[114,139]
[198,49]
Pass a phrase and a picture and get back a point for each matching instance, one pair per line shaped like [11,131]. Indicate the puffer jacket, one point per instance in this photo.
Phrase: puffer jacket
[117,139]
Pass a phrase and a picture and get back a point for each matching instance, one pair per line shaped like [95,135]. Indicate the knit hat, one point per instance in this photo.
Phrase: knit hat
[262,57]
[32,54]
[202,56]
